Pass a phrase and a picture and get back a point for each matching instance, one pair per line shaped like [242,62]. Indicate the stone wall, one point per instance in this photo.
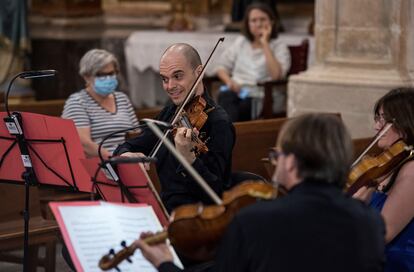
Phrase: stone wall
[363,49]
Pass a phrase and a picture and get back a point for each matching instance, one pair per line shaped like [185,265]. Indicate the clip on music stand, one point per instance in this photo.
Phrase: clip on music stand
[38,149]
[132,186]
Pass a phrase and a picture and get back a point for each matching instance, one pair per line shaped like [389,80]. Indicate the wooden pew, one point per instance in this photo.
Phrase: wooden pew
[41,232]
[47,107]
[361,143]
[147,112]
[55,108]
[253,140]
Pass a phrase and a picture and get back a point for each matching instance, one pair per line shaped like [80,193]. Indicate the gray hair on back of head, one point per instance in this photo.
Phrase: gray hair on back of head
[95,60]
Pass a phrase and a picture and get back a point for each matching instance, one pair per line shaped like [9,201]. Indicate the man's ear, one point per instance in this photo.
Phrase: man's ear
[199,69]
[290,162]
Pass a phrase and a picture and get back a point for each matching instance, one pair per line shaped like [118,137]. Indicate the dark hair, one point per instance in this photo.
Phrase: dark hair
[398,107]
[264,8]
[321,145]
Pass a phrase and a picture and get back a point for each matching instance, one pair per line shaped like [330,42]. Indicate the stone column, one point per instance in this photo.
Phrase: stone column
[363,49]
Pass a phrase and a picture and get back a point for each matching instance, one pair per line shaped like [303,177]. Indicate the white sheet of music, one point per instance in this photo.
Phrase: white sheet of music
[94,230]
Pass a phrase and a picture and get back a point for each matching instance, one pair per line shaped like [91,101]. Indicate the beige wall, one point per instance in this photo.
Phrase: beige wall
[363,49]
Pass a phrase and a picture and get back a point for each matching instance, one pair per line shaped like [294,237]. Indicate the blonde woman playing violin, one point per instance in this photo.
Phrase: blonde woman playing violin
[394,195]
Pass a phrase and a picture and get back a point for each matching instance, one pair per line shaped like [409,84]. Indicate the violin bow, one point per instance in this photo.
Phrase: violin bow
[196,176]
[379,135]
[186,100]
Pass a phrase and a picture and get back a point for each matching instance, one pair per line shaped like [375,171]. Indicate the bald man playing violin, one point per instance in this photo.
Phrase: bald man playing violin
[179,67]
[315,227]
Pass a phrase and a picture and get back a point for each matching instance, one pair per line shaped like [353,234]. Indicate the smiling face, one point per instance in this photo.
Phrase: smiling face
[177,75]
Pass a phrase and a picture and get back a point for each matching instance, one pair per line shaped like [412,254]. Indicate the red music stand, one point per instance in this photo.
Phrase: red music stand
[55,152]
[46,151]
[133,186]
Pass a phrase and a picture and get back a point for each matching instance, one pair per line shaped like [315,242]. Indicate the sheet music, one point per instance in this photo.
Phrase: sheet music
[94,230]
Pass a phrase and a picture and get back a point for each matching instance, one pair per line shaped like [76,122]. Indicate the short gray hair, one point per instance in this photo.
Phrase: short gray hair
[94,60]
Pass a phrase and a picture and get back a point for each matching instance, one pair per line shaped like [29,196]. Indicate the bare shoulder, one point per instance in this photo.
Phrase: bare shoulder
[405,177]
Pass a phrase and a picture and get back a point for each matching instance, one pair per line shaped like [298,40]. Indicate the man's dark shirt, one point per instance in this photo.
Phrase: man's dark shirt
[314,228]
[178,187]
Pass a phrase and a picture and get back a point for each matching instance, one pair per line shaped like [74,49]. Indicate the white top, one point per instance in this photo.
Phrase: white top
[247,65]
[143,50]
[86,112]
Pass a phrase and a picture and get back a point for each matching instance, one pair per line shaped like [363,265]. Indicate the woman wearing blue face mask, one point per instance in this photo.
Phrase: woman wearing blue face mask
[99,109]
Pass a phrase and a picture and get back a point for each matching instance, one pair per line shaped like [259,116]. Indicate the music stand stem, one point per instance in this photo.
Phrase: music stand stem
[26,219]
[29,178]
[15,127]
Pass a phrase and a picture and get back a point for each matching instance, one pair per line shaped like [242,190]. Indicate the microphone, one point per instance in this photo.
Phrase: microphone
[111,135]
[146,120]
[157,122]
[25,75]
[106,164]
[38,73]
[120,159]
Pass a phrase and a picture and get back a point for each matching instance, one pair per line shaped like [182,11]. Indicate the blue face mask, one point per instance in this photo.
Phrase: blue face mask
[105,85]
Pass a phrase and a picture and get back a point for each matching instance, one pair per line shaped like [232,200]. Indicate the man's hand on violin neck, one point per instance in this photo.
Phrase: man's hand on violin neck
[184,144]
[136,155]
[155,254]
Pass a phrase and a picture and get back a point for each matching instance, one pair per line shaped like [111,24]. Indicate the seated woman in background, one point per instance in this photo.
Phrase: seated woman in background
[393,196]
[99,109]
[255,57]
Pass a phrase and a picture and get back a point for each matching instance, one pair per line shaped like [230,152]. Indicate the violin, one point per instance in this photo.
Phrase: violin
[177,118]
[369,169]
[195,229]
[194,115]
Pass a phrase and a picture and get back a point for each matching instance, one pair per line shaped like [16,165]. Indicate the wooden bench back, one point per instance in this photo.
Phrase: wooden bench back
[361,143]
[55,108]
[47,107]
[253,140]
[12,200]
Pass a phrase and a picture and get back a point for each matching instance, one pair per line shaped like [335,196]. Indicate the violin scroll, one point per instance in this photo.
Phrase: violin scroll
[112,259]
[195,229]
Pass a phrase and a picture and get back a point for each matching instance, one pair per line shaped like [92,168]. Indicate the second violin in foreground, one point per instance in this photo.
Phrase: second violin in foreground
[195,230]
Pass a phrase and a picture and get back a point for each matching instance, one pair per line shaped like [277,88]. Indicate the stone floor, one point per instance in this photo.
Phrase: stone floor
[61,265]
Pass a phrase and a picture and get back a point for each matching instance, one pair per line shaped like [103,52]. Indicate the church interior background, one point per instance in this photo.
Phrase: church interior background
[358,49]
